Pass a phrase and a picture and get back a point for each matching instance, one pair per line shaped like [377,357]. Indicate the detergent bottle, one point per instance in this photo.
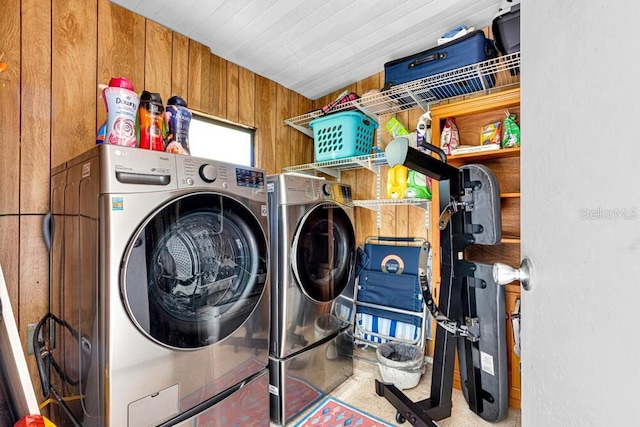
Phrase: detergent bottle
[121,103]
[418,186]
[397,181]
[150,122]
[178,118]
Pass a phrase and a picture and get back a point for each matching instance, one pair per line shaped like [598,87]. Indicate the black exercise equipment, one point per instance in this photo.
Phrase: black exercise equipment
[471,309]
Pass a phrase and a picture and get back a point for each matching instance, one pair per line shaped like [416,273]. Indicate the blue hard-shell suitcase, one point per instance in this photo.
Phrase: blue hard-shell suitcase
[464,51]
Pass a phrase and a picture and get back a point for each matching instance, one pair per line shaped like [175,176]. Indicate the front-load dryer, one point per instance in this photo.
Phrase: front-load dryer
[159,277]
[313,246]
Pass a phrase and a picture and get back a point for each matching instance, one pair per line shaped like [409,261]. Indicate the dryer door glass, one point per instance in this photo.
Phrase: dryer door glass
[195,271]
[324,252]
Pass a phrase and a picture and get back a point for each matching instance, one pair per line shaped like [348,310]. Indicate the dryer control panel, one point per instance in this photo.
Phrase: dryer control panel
[294,189]
[340,193]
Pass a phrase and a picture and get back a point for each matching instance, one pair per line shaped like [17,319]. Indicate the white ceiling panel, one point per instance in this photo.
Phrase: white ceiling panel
[315,47]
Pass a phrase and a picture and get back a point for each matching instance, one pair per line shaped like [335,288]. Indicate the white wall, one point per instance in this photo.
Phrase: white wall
[581,213]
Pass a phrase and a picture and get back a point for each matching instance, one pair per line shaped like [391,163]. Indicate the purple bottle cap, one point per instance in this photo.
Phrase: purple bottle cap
[176,100]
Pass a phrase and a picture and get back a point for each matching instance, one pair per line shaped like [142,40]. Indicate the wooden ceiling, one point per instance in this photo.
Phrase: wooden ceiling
[315,47]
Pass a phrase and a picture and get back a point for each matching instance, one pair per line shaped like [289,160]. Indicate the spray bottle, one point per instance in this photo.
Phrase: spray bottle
[121,103]
[423,130]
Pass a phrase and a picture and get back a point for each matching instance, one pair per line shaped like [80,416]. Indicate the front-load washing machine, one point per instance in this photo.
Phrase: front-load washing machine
[313,246]
[159,290]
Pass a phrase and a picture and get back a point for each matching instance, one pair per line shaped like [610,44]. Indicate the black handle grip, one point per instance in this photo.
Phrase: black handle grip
[433,57]
[47,230]
[435,149]
[394,239]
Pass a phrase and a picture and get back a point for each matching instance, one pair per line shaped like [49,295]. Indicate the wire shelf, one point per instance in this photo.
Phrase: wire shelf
[491,75]
[375,203]
[333,167]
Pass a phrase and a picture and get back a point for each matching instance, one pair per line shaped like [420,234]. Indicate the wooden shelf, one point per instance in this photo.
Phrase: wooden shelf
[510,239]
[484,156]
[509,195]
[471,115]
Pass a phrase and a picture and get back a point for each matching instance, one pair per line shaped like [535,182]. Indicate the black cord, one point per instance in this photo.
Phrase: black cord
[44,358]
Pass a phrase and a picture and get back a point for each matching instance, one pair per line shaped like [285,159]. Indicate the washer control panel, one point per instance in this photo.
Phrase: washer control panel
[208,172]
[196,172]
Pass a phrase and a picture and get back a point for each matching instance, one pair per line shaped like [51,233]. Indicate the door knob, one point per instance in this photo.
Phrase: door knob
[504,274]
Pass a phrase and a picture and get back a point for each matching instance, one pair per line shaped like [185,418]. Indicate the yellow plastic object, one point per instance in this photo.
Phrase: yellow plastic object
[34,421]
[397,181]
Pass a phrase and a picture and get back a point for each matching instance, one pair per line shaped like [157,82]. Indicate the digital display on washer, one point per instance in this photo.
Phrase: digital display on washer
[249,178]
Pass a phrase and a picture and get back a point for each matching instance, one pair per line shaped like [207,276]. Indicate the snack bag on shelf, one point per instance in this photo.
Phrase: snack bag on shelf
[491,134]
[511,132]
[450,137]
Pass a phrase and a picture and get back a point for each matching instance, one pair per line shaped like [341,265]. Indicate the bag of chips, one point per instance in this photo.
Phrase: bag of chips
[511,132]
[450,138]
[491,134]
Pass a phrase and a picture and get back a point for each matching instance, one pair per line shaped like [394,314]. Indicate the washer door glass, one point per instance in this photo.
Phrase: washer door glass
[195,270]
[324,252]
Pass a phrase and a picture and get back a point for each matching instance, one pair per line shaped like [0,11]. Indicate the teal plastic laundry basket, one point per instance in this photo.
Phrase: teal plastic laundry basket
[341,135]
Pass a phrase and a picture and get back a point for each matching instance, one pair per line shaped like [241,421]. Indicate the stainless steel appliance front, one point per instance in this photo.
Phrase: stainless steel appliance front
[159,265]
[312,267]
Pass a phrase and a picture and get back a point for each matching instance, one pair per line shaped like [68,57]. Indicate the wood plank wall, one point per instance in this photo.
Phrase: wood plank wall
[57,52]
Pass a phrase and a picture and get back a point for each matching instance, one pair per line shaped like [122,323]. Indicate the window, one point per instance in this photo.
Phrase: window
[219,140]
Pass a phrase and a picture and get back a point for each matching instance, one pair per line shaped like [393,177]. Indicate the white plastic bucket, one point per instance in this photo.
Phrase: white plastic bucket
[400,364]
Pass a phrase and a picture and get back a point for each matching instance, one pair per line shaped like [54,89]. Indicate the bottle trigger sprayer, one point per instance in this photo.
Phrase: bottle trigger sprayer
[423,130]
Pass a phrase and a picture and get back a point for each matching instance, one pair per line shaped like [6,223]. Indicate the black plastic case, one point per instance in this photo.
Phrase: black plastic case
[506,30]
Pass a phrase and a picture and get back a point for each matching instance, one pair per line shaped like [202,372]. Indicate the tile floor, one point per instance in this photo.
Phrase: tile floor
[359,392]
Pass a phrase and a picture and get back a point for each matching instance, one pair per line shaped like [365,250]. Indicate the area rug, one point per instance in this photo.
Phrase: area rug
[300,395]
[331,412]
